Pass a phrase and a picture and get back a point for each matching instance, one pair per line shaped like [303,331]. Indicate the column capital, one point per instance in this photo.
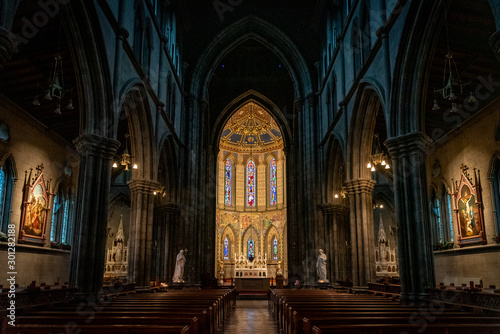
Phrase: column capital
[359,186]
[8,45]
[143,186]
[494,41]
[90,144]
[299,105]
[168,208]
[403,145]
[332,208]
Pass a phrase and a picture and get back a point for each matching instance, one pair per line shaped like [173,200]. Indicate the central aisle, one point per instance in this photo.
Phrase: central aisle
[250,316]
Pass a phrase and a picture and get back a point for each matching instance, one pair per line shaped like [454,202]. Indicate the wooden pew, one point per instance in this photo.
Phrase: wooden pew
[171,312]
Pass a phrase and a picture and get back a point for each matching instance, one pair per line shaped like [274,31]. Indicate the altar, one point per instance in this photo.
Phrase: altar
[256,268]
[252,284]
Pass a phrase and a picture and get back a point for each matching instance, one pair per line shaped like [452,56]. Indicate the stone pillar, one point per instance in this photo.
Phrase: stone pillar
[335,239]
[416,261]
[166,216]
[362,233]
[91,214]
[495,44]
[141,231]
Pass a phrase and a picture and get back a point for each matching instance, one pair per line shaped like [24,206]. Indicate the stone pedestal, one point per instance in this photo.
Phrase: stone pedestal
[89,238]
[416,261]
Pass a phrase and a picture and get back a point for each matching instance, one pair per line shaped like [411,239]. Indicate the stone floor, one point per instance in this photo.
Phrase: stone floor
[250,316]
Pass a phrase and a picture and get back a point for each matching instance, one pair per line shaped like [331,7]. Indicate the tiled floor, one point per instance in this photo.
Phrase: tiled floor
[251,316]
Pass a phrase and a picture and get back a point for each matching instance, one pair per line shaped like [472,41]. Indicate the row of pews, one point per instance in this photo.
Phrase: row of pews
[326,311]
[177,311]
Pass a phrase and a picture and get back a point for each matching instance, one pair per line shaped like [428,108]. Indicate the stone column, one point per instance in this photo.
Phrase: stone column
[141,231]
[166,218]
[91,214]
[416,261]
[362,233]
[495,44]
[336,221]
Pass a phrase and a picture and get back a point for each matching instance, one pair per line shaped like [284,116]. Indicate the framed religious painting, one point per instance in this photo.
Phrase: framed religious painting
[468,207]
[35,209]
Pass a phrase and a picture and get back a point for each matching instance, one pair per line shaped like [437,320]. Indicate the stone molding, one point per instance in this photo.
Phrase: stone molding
[143,186]
[91,144]
[332,208]
[360,186]
[8,45]
[494,41]
[407,144]
[168,208]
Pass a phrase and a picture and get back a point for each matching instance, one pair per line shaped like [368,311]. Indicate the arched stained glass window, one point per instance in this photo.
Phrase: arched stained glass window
[55,209]
[226,249]
[275,248]
[273,196]
[251,249]
[64,233]
[251,184]
[228,183]
[6,189]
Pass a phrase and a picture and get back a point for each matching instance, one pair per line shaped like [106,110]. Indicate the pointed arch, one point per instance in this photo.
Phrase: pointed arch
[135,103]
[366,107]
[230,234]
[252,27]
[262,101]
[335,168]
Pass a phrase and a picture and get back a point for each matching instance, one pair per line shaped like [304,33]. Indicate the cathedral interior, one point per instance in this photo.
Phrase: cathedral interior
[250,135]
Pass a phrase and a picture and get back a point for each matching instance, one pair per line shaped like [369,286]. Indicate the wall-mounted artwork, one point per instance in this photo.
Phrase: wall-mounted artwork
[36,207]
[468,207]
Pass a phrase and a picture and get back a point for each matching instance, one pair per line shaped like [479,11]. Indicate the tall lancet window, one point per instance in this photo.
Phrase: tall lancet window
[273,195]
[251,249]
[226,249]
[275,248]
[228,185]
[251,184]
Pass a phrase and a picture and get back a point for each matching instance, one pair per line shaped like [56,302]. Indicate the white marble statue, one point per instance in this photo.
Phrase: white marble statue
[179,268]
[321,267]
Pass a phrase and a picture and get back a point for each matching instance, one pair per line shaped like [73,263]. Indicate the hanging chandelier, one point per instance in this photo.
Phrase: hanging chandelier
[125,158]
[55,89]
[377,157]
[453,86]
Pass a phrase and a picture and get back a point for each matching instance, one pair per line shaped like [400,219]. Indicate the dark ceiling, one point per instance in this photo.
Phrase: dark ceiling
[298,19]
[470,23]
[28,72]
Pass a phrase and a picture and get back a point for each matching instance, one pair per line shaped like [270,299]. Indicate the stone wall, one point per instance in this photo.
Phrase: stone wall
[472,144]
[30,144]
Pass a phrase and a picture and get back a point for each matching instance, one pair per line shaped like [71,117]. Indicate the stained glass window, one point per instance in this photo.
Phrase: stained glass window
[55,208]
[226,249]
[251,250]
[275,248]
[228,183]
[2,188]
[273,183]
[65,221]
[450,220]
[6,188]
[251,183]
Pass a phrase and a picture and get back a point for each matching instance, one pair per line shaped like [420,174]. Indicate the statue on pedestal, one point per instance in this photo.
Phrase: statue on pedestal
[321,267]
[179,267]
